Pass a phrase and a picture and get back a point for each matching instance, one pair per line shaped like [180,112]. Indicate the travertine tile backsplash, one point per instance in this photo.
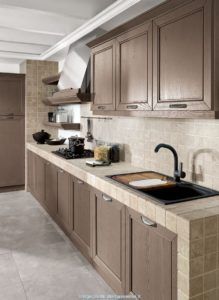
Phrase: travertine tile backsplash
[35,91]
[196,141]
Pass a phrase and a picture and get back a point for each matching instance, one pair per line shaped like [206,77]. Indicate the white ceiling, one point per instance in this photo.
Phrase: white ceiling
[44,29]
[29,28]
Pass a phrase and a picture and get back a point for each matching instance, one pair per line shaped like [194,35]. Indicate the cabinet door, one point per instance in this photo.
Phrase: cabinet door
[30,171]
[150,260]
[103,76]
[51,179]
[64,207]
[81,226]
[182,58]
[134,69]
[12,87]
[39,179]
[109,239]
[12,158]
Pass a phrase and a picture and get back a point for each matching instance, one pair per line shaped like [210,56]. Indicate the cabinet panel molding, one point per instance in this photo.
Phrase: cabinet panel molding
[108,250]
[81,224]
[134,69]
[151,259]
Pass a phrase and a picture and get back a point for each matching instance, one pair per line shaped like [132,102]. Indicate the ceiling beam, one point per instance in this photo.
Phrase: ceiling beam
[22,48]
[29,30]
[19,55]
[37,22]
[24,43]
[42,12]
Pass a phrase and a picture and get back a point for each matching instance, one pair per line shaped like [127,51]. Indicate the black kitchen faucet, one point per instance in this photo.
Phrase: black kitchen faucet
[178,169]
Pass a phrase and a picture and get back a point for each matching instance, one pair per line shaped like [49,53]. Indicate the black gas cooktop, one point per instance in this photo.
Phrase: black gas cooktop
[69,154]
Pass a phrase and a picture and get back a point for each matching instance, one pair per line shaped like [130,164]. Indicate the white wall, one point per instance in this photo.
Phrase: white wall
[9,68]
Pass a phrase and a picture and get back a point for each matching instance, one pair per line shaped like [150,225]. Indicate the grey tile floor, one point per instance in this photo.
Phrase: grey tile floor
[37,260]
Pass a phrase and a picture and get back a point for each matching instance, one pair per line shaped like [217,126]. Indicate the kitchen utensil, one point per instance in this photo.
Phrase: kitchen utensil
[55,141]
[51,117]
[114,153]
[101,153]
[145,183]
[41,136]
[89,135]
[76,144]
[61,115]
[98,163]
[66,153]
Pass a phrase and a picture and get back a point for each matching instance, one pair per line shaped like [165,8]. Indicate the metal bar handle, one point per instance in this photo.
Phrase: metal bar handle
[80,181]
[107,198]
[101,107]
[178,106]
[6,118]
[148,222]
[132,106]
[8,115]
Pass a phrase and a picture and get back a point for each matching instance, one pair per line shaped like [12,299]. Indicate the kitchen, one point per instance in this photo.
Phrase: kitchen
[113,191]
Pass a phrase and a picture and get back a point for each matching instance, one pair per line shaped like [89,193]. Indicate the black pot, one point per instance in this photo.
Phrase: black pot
[41,136]
[76,145]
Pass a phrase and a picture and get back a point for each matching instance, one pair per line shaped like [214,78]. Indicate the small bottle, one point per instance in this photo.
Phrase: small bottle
[114,153]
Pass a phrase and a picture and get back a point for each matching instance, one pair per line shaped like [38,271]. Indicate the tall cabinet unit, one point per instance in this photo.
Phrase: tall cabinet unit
[182,58]
[12,128]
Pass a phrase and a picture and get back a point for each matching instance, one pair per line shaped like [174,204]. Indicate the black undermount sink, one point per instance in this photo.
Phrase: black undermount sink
[173,193]
[181,191]
[174,190]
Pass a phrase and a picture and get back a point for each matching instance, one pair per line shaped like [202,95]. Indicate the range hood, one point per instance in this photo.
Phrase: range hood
[74,82]
[72,95]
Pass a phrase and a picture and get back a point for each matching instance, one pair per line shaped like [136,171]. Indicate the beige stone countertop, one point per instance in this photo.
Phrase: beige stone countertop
[176,217]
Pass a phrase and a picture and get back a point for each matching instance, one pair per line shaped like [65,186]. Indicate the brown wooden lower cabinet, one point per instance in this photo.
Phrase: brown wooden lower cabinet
[133,254]
[151,259]
[109,239]
[36,176]
[30,171]
[64,203]
[81,223]
[51,188]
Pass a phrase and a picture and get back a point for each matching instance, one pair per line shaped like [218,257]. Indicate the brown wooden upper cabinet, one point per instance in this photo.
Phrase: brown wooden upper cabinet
[151,259]
[134,69]
[182,58]
[108,240]
[103,76]
[160,64]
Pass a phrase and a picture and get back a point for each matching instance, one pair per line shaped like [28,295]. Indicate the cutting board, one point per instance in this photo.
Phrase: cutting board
[147,177]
